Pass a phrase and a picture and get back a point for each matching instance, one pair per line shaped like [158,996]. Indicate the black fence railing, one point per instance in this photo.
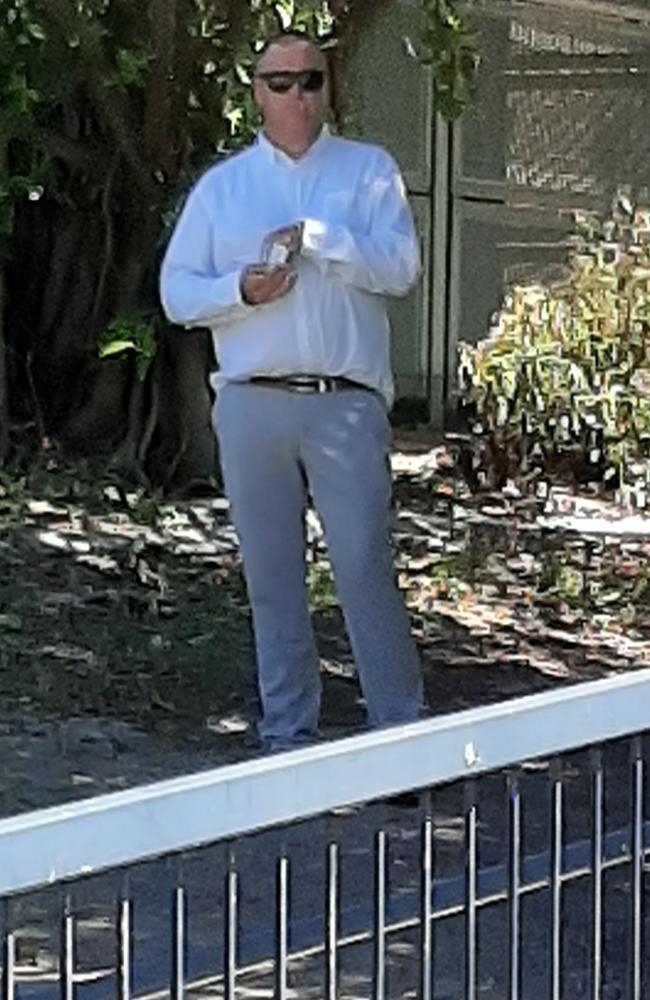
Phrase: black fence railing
[495,853]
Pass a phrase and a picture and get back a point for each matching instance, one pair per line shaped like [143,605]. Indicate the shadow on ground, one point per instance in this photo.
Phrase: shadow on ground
[125,649]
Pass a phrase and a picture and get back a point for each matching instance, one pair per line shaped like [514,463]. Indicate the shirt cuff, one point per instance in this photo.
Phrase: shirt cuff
[236,295]
[229,305]
[320,239]
[237,291]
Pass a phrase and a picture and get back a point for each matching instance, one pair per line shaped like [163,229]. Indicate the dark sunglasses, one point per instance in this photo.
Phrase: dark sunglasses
[309,81]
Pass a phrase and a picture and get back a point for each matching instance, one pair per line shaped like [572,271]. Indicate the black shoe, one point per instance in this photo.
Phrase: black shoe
[405,800]
[261,746]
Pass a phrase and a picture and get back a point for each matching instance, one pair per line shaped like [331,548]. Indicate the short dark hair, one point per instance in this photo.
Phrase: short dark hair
[286,37]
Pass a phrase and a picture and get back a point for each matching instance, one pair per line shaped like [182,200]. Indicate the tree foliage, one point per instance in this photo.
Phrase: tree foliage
[108,111]
[449,46]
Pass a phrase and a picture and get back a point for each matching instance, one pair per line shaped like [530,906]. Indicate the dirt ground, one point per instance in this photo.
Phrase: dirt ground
[125,649]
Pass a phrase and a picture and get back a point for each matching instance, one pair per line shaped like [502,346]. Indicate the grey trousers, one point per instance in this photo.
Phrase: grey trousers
[276,448]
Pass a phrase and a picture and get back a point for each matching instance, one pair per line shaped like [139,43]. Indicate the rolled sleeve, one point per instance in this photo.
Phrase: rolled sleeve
[191,291]
[384,260]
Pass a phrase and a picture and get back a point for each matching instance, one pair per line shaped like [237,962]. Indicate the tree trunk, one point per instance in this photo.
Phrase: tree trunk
[4,381]
[185,449]
[158,126]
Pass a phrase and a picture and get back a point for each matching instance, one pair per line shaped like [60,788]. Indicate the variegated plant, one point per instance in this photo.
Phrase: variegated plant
[562,382]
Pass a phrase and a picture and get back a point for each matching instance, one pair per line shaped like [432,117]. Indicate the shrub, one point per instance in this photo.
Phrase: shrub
[561,386]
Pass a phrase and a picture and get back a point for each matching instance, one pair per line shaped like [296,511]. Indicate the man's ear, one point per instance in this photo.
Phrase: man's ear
[257,93]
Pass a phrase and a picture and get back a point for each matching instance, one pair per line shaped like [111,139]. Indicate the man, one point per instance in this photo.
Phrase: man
[286,251]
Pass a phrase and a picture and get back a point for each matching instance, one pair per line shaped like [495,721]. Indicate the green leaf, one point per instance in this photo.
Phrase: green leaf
[36,31]
[116,347]
[10,622]
[132,66]
[142,365]
[129,334]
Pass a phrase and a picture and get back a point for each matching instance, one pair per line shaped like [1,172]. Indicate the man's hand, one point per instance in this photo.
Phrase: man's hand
[286,241]
[263,283]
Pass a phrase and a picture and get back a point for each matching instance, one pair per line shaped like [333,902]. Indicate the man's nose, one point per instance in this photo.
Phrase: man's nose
[296,95]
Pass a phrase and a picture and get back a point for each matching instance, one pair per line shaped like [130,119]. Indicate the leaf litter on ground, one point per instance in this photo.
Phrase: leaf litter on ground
[528,579]
[117,604]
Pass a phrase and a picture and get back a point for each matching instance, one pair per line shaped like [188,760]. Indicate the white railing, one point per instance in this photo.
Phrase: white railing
[51,845]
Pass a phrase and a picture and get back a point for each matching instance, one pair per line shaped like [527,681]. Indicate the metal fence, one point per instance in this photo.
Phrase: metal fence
[556,126]
[516,871]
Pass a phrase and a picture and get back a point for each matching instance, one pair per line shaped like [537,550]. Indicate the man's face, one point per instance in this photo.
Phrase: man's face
[296,114]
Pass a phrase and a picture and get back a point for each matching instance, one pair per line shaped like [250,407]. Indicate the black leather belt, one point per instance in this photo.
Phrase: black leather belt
[308,383]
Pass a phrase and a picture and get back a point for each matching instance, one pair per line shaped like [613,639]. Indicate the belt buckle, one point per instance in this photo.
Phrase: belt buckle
[303,385]
[323,385]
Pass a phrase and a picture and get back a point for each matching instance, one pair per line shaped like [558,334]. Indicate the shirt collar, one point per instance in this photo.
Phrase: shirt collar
[278,156]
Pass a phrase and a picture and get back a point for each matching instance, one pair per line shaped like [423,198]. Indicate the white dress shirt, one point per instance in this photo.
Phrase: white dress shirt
[359,245]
